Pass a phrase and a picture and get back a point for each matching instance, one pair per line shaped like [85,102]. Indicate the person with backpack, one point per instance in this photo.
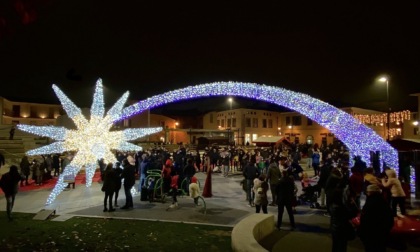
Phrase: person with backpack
[9,184]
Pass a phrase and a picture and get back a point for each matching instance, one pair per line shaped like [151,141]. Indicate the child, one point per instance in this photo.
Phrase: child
[194,190]
[174,188]
[306,181]
[151,189]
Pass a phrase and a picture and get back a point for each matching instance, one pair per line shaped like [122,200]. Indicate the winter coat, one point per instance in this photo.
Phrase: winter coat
[109,184]
[174,182]
[25,166]
[194,189]
[273,174]
[376,219]
[129,175]
[251,171]
[285,190]
[9,183]
[260,190]
[189,170]
[393,183]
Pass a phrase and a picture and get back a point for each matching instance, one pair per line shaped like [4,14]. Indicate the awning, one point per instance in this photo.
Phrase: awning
[273,140]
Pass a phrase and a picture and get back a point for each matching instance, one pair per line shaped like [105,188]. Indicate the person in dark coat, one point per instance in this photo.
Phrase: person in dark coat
[109,184]
[25,170]
[376,220]
[129,176]
[189,172]
[118,183]
[341,228]
[332,182]
[56,165]
[285,194]
[2,160]
[12,132]
[9,184]
[250,173]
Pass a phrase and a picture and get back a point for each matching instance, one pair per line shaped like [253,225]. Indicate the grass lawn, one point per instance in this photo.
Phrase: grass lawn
[101,234]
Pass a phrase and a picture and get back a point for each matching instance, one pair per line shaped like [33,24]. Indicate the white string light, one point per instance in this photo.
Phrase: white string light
[91,141]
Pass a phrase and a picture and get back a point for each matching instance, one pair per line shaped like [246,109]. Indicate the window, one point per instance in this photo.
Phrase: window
[288,122]
[270,123]
[228,121]
[309,139]
[233,122]
[211,118]
[254,136]
[296,140]
[255,122]
[264,123]
[218,123]
[247,138]
[222,123]
[248,122]
[296,120]
[310,122]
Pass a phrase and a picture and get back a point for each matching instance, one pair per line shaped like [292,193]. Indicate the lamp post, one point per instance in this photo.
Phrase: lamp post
[291,132]
[386,80]
[230,100]
[176,124]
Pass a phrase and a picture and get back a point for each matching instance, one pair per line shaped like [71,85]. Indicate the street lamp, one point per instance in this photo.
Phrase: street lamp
[291,131]
[386,80]
[230,100]
[176,125]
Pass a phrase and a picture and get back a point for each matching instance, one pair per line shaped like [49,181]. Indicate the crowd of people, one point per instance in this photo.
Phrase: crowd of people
[265,170]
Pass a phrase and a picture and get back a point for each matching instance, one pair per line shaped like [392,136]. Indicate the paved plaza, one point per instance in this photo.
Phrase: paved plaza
[227,207]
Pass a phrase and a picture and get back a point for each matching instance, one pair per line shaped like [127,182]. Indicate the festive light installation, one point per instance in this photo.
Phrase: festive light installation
[359,138]
[92,140]
[395,117]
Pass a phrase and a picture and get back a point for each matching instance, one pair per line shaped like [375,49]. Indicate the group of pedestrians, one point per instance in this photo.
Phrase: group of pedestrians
[112,183]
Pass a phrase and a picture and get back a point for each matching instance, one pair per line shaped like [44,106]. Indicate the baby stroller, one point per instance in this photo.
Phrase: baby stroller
[309,196]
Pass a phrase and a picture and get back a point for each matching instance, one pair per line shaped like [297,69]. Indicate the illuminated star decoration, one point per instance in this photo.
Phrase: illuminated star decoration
[358,138]
[92,140]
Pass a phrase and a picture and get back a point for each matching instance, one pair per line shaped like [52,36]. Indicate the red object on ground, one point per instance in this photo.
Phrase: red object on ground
[48,184]
[409,225]
[207,185]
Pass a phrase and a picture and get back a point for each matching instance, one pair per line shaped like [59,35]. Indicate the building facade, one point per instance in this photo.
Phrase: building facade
[247,125]
[28,113]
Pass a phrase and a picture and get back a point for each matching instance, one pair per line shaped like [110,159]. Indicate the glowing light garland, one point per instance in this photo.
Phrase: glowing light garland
[359,138]
[395,117]
[92,140]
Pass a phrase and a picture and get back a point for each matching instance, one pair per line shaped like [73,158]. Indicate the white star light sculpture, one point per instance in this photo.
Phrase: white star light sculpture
[92,140]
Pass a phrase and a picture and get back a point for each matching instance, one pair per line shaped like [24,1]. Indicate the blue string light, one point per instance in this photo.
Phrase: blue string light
[358,138]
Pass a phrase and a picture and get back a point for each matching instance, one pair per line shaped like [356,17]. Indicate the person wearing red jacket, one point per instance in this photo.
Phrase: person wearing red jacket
[356,185]
[174,188]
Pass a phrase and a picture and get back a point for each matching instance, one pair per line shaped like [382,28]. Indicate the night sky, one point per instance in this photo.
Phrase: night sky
[331,52]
